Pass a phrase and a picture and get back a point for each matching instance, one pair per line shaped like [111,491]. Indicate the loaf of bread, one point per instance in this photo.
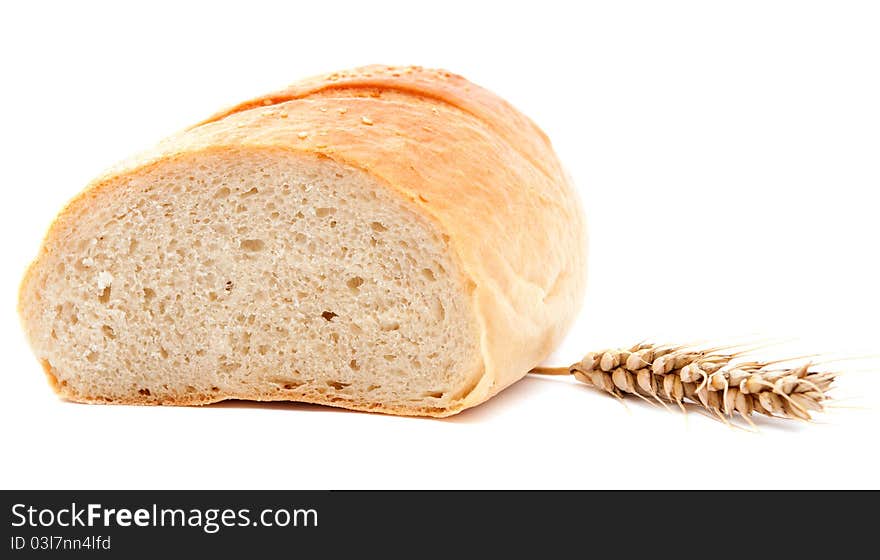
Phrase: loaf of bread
[387,239]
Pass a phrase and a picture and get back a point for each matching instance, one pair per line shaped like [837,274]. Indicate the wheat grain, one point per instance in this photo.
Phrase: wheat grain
[719,380]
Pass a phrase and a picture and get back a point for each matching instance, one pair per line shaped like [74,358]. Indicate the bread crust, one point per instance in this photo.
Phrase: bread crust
[480,170]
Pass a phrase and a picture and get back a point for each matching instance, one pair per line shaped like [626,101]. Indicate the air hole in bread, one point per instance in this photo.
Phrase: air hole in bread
[353,364]
[253,244]
[229,367]
[354,283]
[439,310]
[377,226]
[323,212]
[338,385]
[108,331]
[328,315]
[144,392]
[221,228]
[104,296]
[251,192]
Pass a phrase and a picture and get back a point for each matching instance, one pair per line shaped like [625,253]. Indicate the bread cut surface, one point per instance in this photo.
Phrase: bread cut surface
[387,239]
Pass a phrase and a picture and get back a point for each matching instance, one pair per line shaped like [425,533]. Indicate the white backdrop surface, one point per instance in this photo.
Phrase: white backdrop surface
[726,155]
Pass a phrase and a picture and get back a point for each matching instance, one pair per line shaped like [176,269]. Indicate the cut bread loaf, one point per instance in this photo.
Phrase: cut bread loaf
[387,239]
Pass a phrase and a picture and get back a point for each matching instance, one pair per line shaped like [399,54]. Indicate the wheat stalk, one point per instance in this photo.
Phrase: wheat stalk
[721,381]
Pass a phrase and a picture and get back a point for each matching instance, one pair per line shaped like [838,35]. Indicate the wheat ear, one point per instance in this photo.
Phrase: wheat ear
[719,380]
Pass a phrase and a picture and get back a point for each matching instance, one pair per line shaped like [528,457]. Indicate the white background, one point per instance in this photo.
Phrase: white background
[728,155]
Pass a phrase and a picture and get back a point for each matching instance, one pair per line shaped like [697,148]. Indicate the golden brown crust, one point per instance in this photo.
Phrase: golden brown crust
[483,172]
[204,400]
[425,83]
